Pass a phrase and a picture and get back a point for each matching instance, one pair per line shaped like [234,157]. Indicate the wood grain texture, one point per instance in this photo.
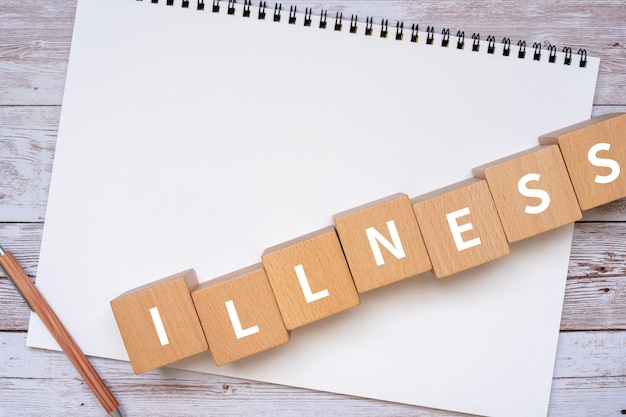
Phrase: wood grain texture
[594,296]
[253,324]
[594,150]
[27,143]
[35,49]
[548,200]
[46,376]
[27,139]
[310,278]
[158,322]
[37,37]
[40,306]
[461,227]
[376,255]
[590,373]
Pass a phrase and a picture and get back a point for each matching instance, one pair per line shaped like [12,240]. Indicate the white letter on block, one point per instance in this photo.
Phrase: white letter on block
[306,288]
[457,230]
[158,325]
[603,162]
[234,319]
[396,249]
[532,192]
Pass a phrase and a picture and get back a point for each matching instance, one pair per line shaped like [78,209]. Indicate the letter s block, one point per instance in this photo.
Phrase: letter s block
[239,315]
[158,322]
[532,192]
[310,278]
[461,227]
[382,242]
[595,155]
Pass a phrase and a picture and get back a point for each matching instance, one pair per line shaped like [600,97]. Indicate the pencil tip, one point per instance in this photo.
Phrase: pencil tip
[2,252]
[116,413]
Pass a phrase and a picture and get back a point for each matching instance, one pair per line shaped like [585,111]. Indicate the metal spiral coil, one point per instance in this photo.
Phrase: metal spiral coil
[307,20]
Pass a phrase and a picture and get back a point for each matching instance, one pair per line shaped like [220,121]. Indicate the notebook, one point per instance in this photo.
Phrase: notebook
[196,138]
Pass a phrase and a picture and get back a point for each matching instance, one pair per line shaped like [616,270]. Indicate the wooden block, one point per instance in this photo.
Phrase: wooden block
[158,322]
[595,153]
[532,192]
[460,226]
[382,242]
[310,278]
[239,315]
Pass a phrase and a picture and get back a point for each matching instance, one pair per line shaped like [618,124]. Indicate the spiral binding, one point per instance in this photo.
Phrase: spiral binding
[384,29]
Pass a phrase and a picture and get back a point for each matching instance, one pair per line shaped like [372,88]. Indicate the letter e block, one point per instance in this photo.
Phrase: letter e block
[461,227]
[158,322]
[382,242]
[532,192]
[239,315]
[310,278]
[595,154]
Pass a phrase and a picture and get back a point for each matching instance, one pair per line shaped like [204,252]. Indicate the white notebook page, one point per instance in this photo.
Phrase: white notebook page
[192,139]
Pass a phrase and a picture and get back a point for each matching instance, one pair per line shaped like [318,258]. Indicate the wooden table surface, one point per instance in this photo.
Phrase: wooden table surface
[590,371]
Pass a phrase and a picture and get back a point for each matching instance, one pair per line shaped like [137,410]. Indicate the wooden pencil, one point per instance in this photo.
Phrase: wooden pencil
[40,306]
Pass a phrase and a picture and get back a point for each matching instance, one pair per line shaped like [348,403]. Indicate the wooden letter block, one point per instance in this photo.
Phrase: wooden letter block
[595,154]
[158,322]
[382,242]
[460,226]
[239,315]
[532,192]
[310,278]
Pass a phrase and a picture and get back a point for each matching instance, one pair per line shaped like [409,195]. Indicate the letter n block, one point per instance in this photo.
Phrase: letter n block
[158,322]
[460,226]
[239,315]
[532,192]
[310,278]
[595,154]
[382,242]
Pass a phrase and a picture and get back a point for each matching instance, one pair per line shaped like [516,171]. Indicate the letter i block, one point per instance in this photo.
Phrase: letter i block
[594,152]
[239,315]
[158,322]
[461,227]
[532,192]
[382,242]
[310,278]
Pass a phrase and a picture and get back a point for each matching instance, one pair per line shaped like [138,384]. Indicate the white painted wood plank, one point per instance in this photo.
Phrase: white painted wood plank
[46,379]
[591,354]
[34,49]
[38,382]
[37,35]
[588,397]
[27,142]
[595,294]
[23,239]
[33,59]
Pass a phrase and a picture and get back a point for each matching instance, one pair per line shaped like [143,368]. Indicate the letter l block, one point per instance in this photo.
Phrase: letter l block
[239,314]
[310,278]
[158,322]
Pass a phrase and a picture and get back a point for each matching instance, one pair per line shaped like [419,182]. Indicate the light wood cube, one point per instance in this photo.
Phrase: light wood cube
[595,155]
[382,242]
[461,227]
[158,322]
[310,278]
[532,192]
[239,315]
